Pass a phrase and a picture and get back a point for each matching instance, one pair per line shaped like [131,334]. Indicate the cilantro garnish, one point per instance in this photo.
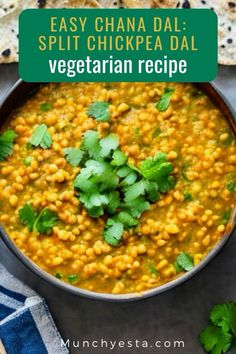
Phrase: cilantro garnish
[134,191]
[215,341]
[41,222]
[225,216]
[108,144]
[6,144]
[218,337]
[157,169]
[45,106]
[188,197]
[108,185]
[41,137]
[177,267]
[164,101]
[231,186]
[118,158]
[91,144]
[153,269]
[73,156]
[72,278]
[113,232]
[28,216]
[136,206]
[27,161]
[99,111]
[126,219]
[184,261]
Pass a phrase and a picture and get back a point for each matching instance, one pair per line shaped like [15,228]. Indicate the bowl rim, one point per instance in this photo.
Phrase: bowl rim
[127,297]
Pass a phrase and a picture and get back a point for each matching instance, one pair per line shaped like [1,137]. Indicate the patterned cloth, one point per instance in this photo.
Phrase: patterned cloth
[26,325]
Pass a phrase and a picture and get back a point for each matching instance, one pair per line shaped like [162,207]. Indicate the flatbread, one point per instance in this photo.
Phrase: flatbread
[7,6]
[153,3]
[9,13]
[115,4]
[226,11]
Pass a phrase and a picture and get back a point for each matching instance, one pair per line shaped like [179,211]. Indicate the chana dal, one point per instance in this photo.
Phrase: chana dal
[175,232]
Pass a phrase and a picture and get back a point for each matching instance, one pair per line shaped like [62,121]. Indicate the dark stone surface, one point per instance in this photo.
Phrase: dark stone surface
[176,315]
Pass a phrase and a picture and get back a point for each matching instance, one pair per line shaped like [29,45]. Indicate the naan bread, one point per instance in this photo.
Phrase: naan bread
[153,3]
[9,13]
[226,11]
[115,4]
[7,6]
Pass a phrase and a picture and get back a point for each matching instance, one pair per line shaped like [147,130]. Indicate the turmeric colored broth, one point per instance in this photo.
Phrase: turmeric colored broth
[190,218]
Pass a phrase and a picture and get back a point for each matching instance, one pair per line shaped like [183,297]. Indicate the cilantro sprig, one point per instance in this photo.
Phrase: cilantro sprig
[184,261]
[41,222]
[7,144]
[218,337]
[41,137]
[108,185]
[73,156]
[45,106]
[164,101]
[99,111]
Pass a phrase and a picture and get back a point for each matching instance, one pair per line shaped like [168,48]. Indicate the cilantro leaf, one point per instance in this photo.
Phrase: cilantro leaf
[72,278]
[99,111]
[224,316]
[124,171]
[129,179]
[41,223]
[164,101]
[91,144]
[27,216]
[153,269]
[83,182]
[177,267]
[226,216]
[113,232]
[109,143]
[109,181]
[45,221]
[134,191]
[188,197]
[152,190]
[157,169]
[113,201]
[215,341]
[27,161]
[98,200]
[185,261]
[94,211]
[41,137]
[45,106]
[73,156]
[6,144]
[126,219]
[118,158]
[136,206]
[231,186]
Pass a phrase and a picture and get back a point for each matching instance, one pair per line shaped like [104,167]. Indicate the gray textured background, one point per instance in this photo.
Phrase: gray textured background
[178,314]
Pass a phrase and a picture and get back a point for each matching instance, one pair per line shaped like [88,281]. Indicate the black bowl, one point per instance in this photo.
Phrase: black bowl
[16,96]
